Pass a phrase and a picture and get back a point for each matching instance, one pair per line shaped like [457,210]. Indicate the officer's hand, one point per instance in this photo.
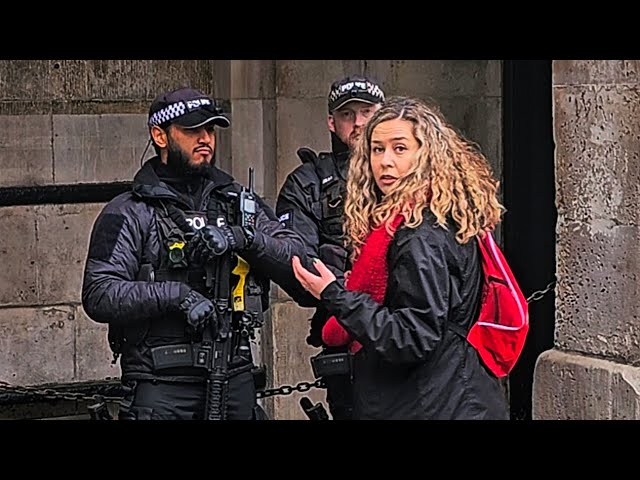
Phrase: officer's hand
[210,241]
[237,237]
[197,309]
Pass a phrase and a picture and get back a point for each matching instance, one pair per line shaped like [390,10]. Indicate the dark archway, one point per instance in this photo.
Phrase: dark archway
[530,220]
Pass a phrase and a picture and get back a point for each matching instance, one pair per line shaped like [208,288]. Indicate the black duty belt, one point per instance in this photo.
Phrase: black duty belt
[181,355]
[196,355]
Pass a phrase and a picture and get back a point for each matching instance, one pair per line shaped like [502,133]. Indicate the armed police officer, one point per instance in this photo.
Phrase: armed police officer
[179,268]
[311,202]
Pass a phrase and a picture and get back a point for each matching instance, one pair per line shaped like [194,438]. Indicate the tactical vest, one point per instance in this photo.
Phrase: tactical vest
[175,228]
[328,206]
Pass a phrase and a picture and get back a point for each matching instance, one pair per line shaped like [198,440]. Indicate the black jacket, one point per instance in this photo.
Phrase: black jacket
[412,366]
[125,235]
[311,203]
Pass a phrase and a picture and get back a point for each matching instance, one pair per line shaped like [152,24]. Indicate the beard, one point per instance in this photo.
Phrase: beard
[180,163]
[353,138]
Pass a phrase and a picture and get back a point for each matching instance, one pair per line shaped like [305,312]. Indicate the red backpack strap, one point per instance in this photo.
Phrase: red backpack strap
[496,269]
[502,325]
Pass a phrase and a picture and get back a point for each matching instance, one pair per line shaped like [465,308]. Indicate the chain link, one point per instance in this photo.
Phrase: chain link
[288,389]
[535,296]
[52,394]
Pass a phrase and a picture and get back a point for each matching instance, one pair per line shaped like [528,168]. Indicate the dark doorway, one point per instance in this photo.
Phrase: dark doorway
[530,220]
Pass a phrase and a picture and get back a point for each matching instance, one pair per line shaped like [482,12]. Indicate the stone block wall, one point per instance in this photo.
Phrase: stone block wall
[592,372]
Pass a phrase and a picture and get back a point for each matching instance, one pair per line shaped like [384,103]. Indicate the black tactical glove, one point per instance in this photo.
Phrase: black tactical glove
[207,243]
[197,309]
[239,238]
[212,241]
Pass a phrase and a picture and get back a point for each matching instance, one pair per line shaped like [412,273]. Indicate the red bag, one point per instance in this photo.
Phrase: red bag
[501,329]
[498,333]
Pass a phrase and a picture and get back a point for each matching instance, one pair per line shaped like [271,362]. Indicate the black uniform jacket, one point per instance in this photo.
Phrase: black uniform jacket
[126,231]
[412,366]
[299,208]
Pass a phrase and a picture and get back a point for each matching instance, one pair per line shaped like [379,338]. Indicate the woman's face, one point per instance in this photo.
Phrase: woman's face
[393,152]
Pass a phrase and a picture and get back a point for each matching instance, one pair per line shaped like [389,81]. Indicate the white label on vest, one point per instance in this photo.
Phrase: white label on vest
[284,217]
[195,220]
[328,179]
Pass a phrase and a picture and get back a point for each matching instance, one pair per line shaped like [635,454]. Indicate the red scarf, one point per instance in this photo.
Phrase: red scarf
[369,275]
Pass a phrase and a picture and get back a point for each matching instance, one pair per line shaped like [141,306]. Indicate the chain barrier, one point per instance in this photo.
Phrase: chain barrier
[288,389]
[52,394]
[538,295]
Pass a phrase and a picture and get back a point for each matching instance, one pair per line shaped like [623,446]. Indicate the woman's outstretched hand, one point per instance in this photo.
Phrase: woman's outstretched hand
[312,283]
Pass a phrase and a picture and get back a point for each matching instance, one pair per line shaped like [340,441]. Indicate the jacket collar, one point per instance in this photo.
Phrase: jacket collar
[146,183]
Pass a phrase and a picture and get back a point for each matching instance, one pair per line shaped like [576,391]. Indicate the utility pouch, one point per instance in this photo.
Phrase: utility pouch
[259,373]
[99,410]
[146,273]
[325,365]
[170,356]
[181,355]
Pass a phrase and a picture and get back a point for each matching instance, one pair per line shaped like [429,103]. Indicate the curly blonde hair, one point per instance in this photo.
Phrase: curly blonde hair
[449,174]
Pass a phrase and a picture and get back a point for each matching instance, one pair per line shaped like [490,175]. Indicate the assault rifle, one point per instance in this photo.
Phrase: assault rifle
[216,399]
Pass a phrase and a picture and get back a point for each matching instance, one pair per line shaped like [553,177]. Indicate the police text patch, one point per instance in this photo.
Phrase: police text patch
[286,217]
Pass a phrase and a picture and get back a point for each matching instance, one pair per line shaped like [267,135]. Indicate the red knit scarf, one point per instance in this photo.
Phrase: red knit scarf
[369,275]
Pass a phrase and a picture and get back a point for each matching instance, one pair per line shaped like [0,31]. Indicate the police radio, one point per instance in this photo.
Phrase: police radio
[248,204]
[246,218]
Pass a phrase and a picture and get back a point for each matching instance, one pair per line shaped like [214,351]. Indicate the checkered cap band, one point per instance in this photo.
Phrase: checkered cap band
[175,110]
[354,88]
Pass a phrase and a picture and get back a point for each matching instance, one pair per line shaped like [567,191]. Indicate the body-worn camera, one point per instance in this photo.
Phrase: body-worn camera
[325,365]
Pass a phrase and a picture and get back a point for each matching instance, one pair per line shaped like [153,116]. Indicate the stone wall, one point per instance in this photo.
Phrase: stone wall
[592,372]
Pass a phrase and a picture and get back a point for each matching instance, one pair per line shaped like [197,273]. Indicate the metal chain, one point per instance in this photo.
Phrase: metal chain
[288,389]
[535,296]
[52,394]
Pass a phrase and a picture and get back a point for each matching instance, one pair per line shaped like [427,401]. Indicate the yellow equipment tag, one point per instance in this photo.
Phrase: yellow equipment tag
[242,269]
[176,252]
[179,245]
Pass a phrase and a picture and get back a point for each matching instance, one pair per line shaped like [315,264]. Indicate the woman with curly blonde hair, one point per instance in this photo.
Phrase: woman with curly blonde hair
[417,193]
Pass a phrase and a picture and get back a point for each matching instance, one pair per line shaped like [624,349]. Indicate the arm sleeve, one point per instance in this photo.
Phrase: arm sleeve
[412,322]
[294,209]
[110,291]
[273,248]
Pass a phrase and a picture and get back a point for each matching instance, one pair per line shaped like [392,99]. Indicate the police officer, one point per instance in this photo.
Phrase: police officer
[311,202]
[153,271]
